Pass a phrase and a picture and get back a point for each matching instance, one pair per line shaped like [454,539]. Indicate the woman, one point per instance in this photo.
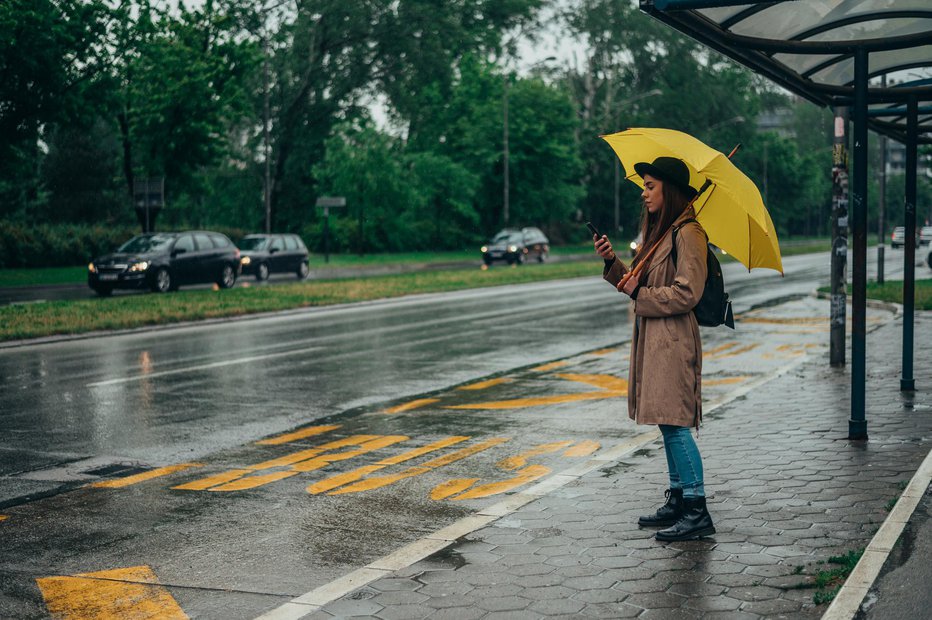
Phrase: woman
[664,382]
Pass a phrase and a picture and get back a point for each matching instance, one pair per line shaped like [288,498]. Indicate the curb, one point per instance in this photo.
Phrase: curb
[848,600]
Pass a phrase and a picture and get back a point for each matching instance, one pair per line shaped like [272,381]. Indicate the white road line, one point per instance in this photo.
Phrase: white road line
[241,360]
[308,603]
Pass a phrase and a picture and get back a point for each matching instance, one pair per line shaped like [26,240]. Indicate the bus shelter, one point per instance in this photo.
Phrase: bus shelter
[870,61]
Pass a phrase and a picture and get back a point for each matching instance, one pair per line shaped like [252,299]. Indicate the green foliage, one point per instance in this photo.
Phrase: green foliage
[22,245]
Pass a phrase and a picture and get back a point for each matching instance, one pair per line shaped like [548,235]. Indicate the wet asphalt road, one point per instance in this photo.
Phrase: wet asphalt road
[234,516]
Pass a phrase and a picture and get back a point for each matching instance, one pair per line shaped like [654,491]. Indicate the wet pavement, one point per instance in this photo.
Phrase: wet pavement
[214,477]
[787,491]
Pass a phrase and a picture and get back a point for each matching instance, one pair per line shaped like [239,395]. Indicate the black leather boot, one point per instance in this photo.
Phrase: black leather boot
[669,513]
[696,522]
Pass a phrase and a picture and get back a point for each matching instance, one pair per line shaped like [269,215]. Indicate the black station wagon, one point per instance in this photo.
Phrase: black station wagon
[162,262]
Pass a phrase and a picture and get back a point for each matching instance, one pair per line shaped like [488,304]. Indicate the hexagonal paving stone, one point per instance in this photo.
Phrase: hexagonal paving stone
[405,612]
[503,603]
[555,607]
[458,613]
[656,600]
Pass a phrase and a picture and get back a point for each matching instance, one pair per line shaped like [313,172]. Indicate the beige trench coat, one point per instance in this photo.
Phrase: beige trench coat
[665,369]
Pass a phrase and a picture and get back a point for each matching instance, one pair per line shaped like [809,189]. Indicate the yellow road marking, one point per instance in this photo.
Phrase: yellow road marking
[485,384]
[414,404]
[731,353]
[528,474]
[301,434]
[298,462]
[550,366]
[3,517]
[583,448]
[520,460]
[211,481]
[608,351]
[611,387]
[328,484]
[719,348]
[725,380]
[109,595]
[382,481]
[146,475]
[792,321]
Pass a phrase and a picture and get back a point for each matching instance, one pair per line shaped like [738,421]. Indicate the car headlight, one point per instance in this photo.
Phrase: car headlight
[92,267]
[512,248]
[140,266]
[245,260]
[483,249]
[633,245]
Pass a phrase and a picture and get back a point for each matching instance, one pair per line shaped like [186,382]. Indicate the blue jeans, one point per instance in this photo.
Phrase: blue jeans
[683,460]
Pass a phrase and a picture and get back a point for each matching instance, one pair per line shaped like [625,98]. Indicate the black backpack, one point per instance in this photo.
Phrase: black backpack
[714,307]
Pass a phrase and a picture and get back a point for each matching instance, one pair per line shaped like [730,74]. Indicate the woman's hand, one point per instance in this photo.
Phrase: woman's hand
[629,286]
[603,247]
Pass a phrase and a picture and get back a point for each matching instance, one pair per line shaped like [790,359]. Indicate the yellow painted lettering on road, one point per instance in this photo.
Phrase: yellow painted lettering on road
[304,433]
[719,348]
[242,479]
[520,460]
[333,482]
[602,352]
[383,481]
[485,384]
[109,595]
[4,517]
[550,366]
[583,448]
[731,353]
[146,475]
[524,476]
[609,386]
[414,404]
[725,381]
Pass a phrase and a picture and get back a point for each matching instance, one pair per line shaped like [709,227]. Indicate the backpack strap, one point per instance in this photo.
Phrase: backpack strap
[676,229]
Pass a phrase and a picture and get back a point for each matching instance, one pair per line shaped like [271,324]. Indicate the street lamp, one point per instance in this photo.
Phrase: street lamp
[506,189]
[650,93]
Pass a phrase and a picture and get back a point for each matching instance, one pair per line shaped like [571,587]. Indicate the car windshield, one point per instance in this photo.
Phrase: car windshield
[506,237]
[253,243]
[147,243]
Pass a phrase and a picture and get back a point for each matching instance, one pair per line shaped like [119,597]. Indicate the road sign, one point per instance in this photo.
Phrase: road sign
[331,201]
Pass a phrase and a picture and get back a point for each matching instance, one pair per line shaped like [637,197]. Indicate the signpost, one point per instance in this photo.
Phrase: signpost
[148,199]
[325,203]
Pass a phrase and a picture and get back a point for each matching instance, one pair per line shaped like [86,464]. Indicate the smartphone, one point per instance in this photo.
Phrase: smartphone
[593,229]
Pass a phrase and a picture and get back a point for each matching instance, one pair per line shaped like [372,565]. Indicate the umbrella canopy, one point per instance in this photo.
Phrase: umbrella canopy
[730,209]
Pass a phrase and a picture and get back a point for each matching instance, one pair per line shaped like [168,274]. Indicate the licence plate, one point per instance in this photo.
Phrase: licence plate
[108,277]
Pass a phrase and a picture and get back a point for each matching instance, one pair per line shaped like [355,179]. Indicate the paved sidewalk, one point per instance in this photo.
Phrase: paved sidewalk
[786,489]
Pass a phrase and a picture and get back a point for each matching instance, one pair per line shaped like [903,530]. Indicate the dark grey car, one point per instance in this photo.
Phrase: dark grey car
[263,255]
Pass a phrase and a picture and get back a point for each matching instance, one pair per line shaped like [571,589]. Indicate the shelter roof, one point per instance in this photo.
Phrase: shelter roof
[808,47]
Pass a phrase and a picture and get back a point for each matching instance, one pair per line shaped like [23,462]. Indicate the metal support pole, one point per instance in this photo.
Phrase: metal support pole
[857,424]
[267,194]
[326,234]
[839,239]
[882,202]
[907,383]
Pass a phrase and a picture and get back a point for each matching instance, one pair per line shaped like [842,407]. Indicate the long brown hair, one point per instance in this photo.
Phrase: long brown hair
[655,225]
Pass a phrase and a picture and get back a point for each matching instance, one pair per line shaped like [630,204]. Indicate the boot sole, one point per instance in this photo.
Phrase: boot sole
[656,523]
[691,536]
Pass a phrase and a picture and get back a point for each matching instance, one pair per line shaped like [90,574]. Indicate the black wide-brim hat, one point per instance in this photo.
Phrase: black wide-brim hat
[670,170]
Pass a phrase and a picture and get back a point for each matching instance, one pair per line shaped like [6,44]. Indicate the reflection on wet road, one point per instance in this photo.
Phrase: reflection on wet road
[246,463]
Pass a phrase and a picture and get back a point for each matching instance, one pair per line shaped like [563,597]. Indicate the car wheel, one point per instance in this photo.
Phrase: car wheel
[541,257]
[262,272]
[162,281]
[929,260]
[302,271]
[103,291]
[227,277]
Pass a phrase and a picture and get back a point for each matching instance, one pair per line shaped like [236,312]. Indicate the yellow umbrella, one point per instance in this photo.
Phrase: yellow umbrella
[730,209]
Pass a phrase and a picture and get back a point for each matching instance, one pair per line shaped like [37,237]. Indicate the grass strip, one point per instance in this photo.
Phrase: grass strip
[129,311]
[892,291]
